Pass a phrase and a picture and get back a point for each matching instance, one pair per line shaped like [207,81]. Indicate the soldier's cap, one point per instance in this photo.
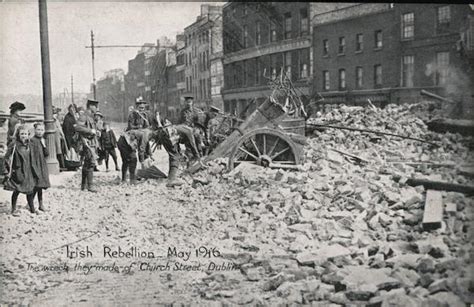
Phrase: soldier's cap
[17,106]
[214,109]
[140,102]
[92,102]
[99,114]
[186,97]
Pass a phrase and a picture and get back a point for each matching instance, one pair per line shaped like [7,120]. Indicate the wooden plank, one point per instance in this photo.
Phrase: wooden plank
[437,185]
[433,213]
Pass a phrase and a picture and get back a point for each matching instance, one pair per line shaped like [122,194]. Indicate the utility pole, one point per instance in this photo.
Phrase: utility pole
[93,66]
[51,160]
[72,90]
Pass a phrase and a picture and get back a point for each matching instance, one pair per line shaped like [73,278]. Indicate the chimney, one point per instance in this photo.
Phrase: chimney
[204,10]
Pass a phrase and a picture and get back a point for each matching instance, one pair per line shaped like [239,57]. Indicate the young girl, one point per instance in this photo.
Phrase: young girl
[39,152]
[19,176]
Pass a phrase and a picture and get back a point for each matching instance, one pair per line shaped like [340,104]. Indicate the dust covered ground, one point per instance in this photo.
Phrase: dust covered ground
[340,231]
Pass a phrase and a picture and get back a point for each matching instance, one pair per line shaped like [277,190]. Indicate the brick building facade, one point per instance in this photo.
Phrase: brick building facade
[388,52]
[260,39]
[201,39]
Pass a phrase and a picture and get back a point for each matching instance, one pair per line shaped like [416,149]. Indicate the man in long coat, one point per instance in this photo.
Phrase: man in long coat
[86,126]
[68,125]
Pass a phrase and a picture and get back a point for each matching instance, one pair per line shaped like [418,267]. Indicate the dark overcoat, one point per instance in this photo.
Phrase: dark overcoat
[21,175]
[38,163]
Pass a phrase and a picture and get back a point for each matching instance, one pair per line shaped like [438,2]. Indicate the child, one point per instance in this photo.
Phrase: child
[39,152]
[108,142]
[19,176]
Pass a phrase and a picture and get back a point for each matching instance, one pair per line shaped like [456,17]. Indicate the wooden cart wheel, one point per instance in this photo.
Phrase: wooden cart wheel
[265,147]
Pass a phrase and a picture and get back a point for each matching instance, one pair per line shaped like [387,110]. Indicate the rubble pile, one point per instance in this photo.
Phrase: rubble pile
[342,231]
[339,232]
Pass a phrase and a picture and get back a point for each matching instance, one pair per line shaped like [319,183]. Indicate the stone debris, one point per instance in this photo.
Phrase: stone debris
[339,233]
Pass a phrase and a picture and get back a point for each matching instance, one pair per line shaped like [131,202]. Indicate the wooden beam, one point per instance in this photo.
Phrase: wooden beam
[433,213]
[437,185]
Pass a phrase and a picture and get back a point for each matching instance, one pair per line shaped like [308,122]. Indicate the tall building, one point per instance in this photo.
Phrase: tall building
[111,95]
[202,57]
[260,40]
[389,52]
[137,79]
[180,78]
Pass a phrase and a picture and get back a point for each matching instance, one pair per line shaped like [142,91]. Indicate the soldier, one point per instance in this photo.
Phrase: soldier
[168,136]
[87,129]
[189,116]
[15,120]
[138,120]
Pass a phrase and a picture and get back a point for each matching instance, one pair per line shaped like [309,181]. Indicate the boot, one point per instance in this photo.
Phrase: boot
[84,180]
[172,180]
[31,204]
[41,207]
[90,181]
[14,211]
[133,179]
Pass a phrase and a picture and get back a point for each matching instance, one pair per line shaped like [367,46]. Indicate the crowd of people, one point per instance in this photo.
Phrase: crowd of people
[84,140]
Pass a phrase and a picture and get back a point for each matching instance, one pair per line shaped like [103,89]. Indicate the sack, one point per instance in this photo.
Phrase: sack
[72,155]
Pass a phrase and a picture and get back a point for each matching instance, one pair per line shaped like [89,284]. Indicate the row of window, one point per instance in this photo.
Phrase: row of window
[359,75]
[443,20]
[200,38]
[359,43]
[236,41]
[441,73]
[295,64]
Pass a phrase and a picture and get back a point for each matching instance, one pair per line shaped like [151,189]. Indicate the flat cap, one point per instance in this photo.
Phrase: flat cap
[17,106]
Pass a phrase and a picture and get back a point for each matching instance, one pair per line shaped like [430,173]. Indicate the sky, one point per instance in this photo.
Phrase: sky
[70,23]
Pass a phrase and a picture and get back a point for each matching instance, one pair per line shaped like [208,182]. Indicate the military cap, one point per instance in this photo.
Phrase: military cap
[214,109]
[17,106]
[91,102]
[188,96]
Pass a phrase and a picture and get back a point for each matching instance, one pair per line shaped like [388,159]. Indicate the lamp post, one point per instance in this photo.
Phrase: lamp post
[52,161]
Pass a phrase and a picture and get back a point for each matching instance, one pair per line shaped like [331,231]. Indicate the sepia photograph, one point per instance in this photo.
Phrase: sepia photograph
[158,153]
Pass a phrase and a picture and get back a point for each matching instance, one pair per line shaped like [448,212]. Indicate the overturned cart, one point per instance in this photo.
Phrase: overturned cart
[269,137]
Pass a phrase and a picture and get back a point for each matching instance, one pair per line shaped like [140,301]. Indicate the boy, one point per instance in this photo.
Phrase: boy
[108,143]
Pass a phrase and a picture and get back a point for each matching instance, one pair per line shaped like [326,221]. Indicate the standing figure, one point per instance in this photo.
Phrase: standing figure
[18,170]
[189,117]
[108,143]
[15,120]
[39,152]
[68,125]
[88,144]
[99,123]
[59,139]
[139,121]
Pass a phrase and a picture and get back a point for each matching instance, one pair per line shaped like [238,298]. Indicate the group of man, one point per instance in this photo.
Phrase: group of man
[193,131]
